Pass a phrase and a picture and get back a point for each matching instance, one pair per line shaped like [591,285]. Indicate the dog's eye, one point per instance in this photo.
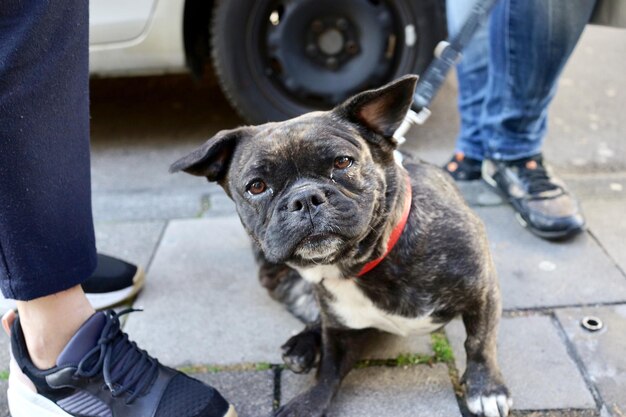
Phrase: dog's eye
[256,187]
[343,162]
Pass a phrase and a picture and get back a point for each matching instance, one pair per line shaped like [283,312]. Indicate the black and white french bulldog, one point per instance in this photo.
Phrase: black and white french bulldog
[354,242]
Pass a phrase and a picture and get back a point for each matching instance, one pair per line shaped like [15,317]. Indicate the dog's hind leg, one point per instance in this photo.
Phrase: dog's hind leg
[485,390]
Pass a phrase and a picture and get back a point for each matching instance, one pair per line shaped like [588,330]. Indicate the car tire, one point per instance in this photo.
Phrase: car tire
[277,59]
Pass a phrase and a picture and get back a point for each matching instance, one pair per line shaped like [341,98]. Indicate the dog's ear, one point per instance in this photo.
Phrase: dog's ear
[381,110]
[212,159]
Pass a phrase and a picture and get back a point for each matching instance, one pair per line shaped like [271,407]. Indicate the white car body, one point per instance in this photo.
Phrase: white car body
[138,37]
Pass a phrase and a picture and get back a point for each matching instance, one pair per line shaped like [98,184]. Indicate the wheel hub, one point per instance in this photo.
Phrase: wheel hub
[324,49]
[332,41]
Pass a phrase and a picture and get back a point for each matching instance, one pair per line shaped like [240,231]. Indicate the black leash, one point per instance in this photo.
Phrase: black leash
[447,54]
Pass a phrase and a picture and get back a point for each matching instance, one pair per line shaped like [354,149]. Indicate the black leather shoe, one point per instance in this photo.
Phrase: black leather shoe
[113,282]
[100,373]
[542,202]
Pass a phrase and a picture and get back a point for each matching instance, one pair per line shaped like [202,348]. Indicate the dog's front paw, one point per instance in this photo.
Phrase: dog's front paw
[301,352]
[487,395]
[490,404]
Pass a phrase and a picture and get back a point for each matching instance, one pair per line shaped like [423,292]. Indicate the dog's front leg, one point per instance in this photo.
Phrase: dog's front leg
[286,286]
[485,390]
[341,348]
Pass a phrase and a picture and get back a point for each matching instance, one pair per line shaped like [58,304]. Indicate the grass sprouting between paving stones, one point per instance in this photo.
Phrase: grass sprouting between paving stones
[212,369]
[262,366]
[442,354]
[445,354]
[4,375]
[205,205]
[441,348]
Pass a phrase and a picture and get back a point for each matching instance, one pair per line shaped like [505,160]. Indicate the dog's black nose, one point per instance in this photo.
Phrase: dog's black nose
[310,199]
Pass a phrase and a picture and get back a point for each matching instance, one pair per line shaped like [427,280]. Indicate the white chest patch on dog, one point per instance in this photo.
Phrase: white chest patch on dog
[357,311]
[316,274]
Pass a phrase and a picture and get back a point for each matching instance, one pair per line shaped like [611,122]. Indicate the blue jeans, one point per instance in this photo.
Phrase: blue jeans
[508,74]
[46,230]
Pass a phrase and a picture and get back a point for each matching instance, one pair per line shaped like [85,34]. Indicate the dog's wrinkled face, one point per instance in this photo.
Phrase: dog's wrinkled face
[308,190]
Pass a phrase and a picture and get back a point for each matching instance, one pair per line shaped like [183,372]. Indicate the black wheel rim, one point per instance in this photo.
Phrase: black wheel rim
[312,54]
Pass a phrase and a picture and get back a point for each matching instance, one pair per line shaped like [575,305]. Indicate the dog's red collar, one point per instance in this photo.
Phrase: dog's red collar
[395,233]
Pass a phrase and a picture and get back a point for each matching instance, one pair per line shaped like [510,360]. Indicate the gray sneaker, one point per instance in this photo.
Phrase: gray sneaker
[542,202]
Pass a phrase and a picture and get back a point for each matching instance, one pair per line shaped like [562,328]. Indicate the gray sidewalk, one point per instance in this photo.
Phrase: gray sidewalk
[206,313]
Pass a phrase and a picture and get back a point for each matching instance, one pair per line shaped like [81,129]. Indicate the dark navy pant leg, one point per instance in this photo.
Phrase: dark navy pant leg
[46,228]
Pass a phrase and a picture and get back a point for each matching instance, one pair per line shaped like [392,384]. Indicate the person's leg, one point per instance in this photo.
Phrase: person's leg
[47,239]
[46,335]
[530,42]
[472,75]
[46,231]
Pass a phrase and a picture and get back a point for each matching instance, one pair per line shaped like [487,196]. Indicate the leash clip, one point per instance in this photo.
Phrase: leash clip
[411,119]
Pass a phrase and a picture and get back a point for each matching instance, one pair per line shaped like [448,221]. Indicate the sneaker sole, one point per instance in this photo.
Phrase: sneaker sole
[231,412]
[560,235]
[549,235]
[110,299]
[26,403]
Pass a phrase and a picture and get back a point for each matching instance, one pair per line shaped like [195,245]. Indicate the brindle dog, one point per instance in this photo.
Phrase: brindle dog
[320,195]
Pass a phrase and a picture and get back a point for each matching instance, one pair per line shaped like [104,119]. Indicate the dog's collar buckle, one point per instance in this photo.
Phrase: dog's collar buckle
[395,233]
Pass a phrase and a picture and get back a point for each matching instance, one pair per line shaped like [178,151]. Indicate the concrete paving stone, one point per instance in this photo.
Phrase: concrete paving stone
[607,222]
[384,391]
[586,123]
[132,241]
[603,353]
[140,165]
[534,362]
[434,142]
[602,186]
[218,204]
[4,406]
[537,273]
[252,393]
[5,352]
[478,193]
[146,205]
[556,413]
[389,346]
[203,303]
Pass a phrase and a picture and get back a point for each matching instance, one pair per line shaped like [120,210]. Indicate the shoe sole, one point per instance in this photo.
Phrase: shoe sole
[231,412]
[26,403]
[549,235]
[560,235]
[113,298]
